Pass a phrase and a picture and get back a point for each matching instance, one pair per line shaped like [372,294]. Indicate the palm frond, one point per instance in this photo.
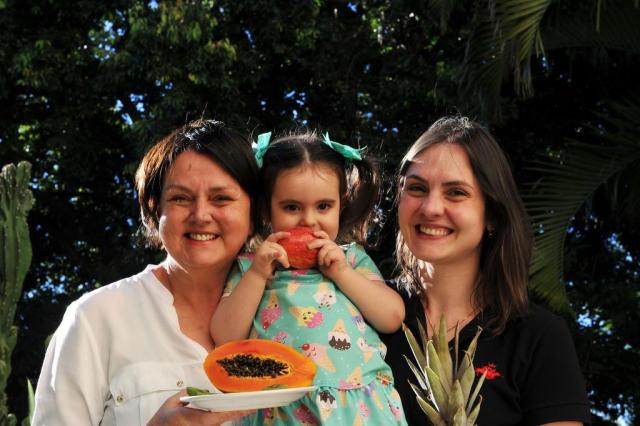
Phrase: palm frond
[617,28]
[567,184]
[508,33]
[505,38]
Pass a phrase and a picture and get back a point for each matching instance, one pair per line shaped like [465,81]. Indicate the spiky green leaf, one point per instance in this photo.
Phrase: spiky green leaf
[460,417]
[444,356]
[420,392]
[473,414]
[436,366]
[431,413]
[471,351]
[424,339]
[31,400]
[418,374]
[416,349]
[456,400]
[466,376]
[476,391]
[440,396]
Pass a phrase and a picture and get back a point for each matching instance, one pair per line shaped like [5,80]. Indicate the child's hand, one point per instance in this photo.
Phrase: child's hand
[331,259]
[269,252]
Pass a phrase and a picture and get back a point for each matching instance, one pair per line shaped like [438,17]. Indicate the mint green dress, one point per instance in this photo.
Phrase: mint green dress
[305,310]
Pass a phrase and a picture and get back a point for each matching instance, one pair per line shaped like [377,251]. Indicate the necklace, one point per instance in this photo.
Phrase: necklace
[459,323]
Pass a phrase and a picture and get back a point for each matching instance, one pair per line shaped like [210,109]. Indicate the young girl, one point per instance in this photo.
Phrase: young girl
[315,182]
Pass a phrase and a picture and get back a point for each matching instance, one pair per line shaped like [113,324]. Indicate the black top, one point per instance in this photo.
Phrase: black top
[533,376]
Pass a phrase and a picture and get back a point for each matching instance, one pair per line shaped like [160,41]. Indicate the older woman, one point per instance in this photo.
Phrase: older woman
[123,351]
[463,250]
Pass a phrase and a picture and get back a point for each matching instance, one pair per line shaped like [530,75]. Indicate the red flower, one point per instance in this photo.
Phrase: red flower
[491,371]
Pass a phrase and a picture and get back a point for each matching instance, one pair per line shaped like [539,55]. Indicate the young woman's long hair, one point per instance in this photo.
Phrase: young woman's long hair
[506,248]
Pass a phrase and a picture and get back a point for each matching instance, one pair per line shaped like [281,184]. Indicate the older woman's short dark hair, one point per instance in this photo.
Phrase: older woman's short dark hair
[211,138]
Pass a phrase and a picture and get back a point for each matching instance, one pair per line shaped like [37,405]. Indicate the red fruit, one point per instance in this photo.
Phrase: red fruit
[300,257]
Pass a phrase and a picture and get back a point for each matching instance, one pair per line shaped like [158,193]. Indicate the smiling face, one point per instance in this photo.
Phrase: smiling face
[308,195]
[441,210]
[204,216]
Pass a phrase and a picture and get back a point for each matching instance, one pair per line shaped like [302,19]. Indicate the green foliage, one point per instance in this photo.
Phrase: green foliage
[31,403]
[15,202]
[570,179]
[506,36]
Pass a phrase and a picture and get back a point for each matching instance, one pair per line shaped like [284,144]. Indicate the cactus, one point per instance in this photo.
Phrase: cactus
[16,200]
[446,393]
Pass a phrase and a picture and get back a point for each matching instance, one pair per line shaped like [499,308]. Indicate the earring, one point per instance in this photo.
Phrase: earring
[491,232]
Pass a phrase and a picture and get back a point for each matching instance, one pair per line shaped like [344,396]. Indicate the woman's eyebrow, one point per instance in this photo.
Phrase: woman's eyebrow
[458,183]
[415,177]
[175,186]
[447,183]
[179,187]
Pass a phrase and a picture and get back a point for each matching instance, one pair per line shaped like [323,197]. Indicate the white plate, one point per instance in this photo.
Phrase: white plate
[247,400]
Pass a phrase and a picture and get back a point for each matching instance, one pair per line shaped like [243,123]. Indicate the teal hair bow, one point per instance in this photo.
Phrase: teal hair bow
[346,151]
[260,148]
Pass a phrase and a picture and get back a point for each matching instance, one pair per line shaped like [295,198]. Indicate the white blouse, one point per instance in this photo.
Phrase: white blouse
[116,357]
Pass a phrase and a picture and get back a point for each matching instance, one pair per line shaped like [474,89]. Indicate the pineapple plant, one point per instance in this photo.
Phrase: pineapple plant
[446,391]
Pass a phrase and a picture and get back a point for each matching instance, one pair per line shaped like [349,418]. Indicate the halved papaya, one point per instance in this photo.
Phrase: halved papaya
[253,364]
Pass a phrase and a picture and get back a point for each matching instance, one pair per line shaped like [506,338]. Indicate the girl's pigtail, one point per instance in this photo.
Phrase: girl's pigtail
[362,191]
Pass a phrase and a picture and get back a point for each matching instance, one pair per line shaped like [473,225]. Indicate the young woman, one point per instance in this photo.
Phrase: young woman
[463,250]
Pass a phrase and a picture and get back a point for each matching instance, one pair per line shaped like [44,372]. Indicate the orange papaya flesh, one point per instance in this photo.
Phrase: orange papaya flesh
[253,364]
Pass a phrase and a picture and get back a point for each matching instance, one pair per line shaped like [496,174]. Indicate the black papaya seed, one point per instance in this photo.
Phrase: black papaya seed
[247,365]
